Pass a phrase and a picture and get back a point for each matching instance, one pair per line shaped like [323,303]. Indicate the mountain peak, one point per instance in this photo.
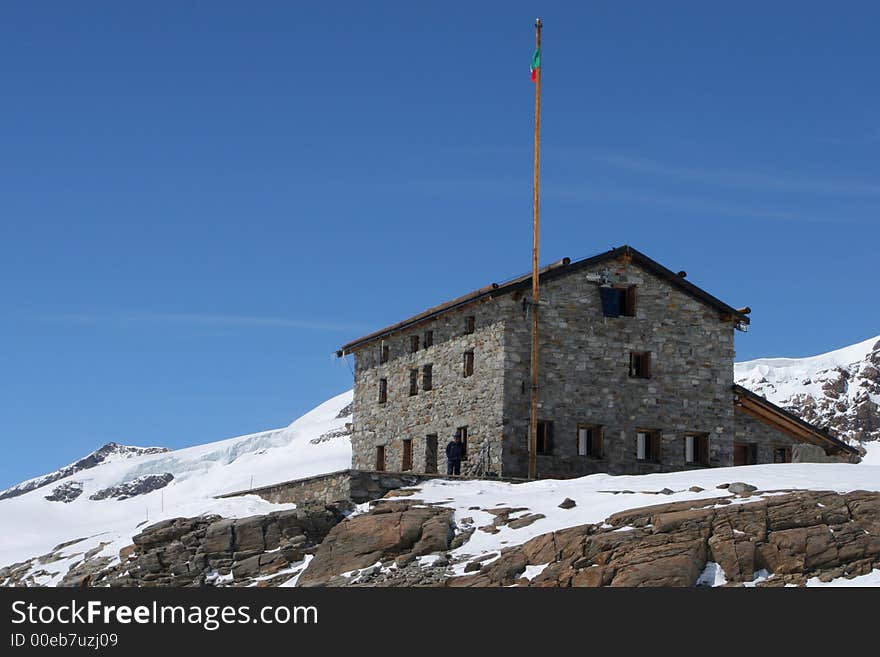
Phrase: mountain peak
[839,389]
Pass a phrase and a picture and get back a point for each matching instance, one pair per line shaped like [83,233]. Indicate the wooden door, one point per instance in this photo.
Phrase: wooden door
[431,453]
[741,454]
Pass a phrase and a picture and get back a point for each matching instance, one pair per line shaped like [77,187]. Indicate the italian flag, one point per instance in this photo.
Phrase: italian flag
[536,64]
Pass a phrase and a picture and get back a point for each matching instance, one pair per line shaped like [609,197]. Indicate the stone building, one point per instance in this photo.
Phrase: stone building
[636,376]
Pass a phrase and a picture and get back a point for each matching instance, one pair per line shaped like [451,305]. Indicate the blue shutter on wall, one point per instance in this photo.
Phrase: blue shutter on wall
[612,301]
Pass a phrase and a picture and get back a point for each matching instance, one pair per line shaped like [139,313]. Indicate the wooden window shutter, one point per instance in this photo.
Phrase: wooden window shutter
[597,441]
[630,303]
[655,446]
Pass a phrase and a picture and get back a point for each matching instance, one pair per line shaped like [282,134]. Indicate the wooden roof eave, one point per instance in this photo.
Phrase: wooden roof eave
[799,429]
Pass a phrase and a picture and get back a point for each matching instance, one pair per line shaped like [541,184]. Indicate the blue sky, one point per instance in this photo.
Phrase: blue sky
[200,201]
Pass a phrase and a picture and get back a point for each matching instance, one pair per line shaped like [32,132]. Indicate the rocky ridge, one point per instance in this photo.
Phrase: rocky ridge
[99,456]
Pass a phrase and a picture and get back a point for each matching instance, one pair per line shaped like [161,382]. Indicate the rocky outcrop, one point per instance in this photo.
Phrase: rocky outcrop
[66,492]
[839,391]
[209,550]
[786,537]
[99,456]
[393,531]
[206,550]
[792,536]
[139,486]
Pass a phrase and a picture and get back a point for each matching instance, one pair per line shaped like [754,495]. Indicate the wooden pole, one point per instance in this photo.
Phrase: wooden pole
[533,413]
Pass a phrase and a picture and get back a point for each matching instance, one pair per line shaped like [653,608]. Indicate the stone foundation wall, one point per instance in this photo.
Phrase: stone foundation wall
[351,485]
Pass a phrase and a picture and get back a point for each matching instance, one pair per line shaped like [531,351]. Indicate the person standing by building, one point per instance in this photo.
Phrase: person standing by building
[454,454]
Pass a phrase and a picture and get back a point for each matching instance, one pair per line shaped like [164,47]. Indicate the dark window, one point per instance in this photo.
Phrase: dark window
[383,391]
[413,344]
[380,457]
[428,377]
[470,323]
[545,437]
[406,459]
[647,445]
[782,455]
[640,364]
[383,354]
[468,363]
[429,339]
[413,382]
[464,441]
[589,440]
[696,449]
[618,301]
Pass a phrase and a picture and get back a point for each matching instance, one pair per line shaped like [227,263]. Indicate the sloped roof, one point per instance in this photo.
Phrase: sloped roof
[558,269]
[782,420]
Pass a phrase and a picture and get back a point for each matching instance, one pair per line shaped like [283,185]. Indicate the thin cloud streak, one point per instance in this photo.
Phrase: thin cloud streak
[190,319]
[740,179]
[688,205]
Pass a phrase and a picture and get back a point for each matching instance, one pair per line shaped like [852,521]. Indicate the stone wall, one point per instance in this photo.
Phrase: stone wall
[750,430]
[345,485]
[584,365]
[454,401]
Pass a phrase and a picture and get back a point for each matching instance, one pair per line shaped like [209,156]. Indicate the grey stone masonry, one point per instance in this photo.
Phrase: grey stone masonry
[636,376]
[749,431]
[454,400]
[584,362]
[585,379]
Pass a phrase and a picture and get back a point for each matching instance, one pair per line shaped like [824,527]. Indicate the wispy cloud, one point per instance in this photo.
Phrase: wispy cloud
[707,209]
[204,320]
[764,180]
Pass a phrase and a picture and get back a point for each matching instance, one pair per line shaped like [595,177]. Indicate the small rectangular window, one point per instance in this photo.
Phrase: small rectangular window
[413,344]
[618,301]
[545,437]
[589,442]
[413,382]
[406,459]
[468,363]
[380,458]
[464,441]
[428,377]
[648,445]
[470,323]
[383,391]
[696,449]
[429,339]
[640,364]
[383,354]
[782,455]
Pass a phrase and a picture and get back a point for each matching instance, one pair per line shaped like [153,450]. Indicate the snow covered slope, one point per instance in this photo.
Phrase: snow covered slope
[171,483]
[839,390]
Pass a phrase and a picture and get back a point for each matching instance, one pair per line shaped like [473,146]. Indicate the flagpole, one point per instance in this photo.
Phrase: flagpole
[533,415]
